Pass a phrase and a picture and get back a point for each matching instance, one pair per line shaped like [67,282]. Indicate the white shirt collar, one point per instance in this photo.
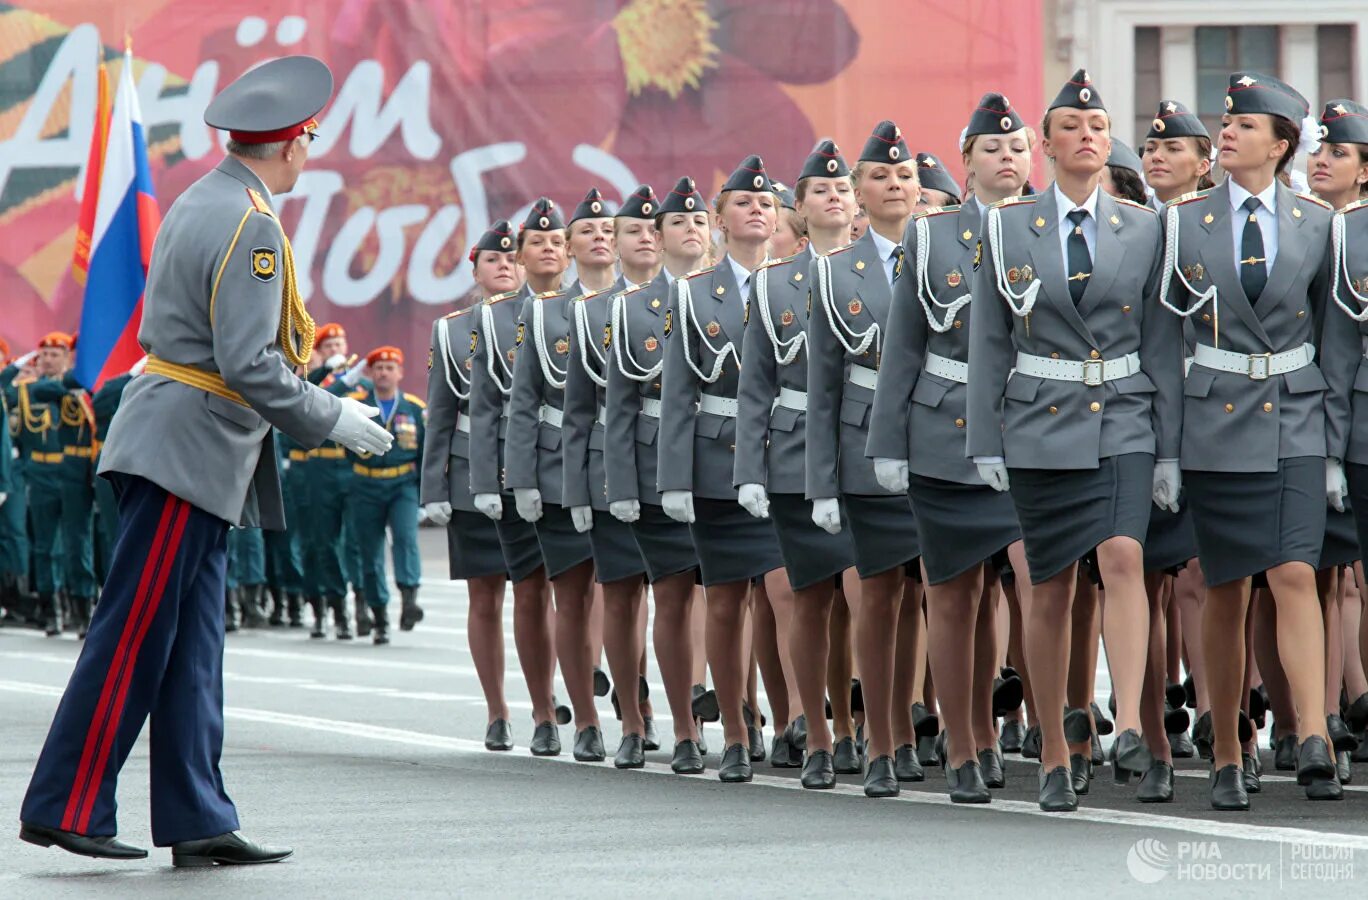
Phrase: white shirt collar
[981,208]
[1064,206]
[882,244]
[1268,196]
[739,272]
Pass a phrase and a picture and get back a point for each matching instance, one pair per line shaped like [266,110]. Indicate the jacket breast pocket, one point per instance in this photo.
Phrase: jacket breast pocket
[1198,383]
[1139,383]
[708,426]
[1306,380]
[929,393]
[1022,387]
[854,412]
[784,419]
[646,428]
[243,417]
[548,438]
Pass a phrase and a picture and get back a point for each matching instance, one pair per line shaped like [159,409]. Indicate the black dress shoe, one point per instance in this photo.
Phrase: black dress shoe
[1156,785]
[1176,719]
[650,740]
[906,766]
[1203,736]
[1080,773]
[1097,756]
[846,759]
[757,743]
[1314,760]
[991,769]
[881,780]
[1056,791]
[1356,716]
[1104,725]
[1253,780]
[1012,735]
[1285,753]
[1129,755]
[705,704]
[1343,771]
[780,756]
[928,751]
[797,732]
[1077,728]
[631,752]
[546,740]
[231,849]
[100,847]
[819,772]
[1181,746]
[966,783]
[736,765]
[1030,744]
[601,683]
[499,735]
[1341,738]
[1228,790]
[589,745]
[1174,695]
[925,723]
[1007,694]
[564,715]
[1361,754]
[688,760]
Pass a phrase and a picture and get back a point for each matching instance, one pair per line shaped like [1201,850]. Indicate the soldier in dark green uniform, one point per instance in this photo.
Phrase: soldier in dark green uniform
[106,402]
[14,556]
[284,561]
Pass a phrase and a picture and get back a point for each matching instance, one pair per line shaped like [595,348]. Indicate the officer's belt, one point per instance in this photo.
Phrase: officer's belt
[79,452]
[550,415]
[328,453]
[463,423]
[1092,372]
[210,382]
[790,399]
[718,406]
[947,368]
[299,455]
[46,458]
[1258,366]
[864,376]
[650,406]
[391,472]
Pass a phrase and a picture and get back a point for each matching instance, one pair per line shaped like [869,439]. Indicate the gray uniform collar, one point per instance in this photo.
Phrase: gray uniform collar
[233,166]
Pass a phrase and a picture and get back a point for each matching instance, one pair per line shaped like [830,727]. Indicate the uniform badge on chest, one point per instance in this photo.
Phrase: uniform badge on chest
[786,317]
[855,306]
[953,279]
[651,344]
[714,329]
[562,346]
[1194,272]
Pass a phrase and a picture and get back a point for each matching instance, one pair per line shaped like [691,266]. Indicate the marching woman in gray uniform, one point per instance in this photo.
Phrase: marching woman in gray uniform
[533,469]
[851,296]
[698,436]
[640,323]
[938,188]
[541,252]
[1075,376]
[770,440]
[917,433]
[617,560]
[473,549]
[1246,264]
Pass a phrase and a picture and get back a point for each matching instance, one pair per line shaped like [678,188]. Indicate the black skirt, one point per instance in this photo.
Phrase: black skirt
[1066,513]
[473,548]
[616,555]
[732,545]
[960,525]
[811,555]
[518,539]
[1170,542]
[1341,544]
[1249,522]
[666,545]
[562,547]
[884,530]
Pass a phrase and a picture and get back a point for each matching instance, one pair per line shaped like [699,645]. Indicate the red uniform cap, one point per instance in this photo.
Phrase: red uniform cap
[385,354]
[327,332]
[57,339]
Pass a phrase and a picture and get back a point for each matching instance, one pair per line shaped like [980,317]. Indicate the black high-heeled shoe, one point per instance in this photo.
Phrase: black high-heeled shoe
[880,781]
[819,771]
[1316,770]
[1156,785]
[1129,755]
[1228,790]
[1012,735]
[1056,791]
[1253,773]
[1080,773]
[1341,738]
[966,783]
[991,769]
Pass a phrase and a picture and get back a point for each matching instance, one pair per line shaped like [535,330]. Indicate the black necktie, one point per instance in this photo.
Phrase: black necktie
[1253,267]
[1080,261]
[898,256]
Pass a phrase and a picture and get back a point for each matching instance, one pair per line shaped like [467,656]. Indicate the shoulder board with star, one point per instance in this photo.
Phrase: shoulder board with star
[1311,198]
[938,211]
[592,295]
[1015,201]
[779,261]
[1190,197]
[1133,205]
[459,312]
[838,250]
[636,288]
[499,298]
[416,400]
[546,294]
[1355,206]
[706,270]
[259,203]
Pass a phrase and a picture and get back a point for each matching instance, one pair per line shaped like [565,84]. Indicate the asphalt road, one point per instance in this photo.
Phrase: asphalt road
[370,763]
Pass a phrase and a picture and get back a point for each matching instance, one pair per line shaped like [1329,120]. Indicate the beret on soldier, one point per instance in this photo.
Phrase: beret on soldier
[683,198]
[1123,156]
[385,354]
[1344,122]
[825,161]
[1176,120]
[1078,93]
[498,237]
[932,175]
[593,206]
[749,176]
[543,217]
[276,101]
[993,115]
[327,332]
[886,145]
[1255,92]
[642,204]
[58,339]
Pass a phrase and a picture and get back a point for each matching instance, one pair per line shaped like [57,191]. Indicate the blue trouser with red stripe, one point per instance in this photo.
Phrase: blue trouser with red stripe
[155,647]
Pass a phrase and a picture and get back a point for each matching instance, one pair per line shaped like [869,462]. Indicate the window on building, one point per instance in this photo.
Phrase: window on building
[1335,62]
[1148,81]
[1222,50]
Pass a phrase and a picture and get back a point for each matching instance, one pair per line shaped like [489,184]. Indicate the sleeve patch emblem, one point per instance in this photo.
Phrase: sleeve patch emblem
[264,264]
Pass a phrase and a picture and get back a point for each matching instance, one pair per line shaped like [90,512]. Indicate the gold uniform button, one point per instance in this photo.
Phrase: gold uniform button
[1301,313]
[1206,317]
[1125,309]
[1095,355]
[959,423]
[732,447]
[1054,410]
[959,324]
[1230,407]
[1054,356]
[1095,406]
[1268,407]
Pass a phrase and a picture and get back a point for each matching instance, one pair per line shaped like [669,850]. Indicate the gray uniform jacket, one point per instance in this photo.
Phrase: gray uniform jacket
[206,307]
[586,382]
[920,416]
[491,382]
[1344,340]
[446,443]
[696,449]
[838,409]
[640,316]
[532,454]
[1039,423]
[1232,423]
[770,438]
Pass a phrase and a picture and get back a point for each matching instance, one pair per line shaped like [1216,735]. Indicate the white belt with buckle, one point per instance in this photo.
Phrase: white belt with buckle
[463,423]
[551,415]
[864,376]
[1092,372]
[791,399]
[603,416]
[718,406]
[947,368]
[650,406]
[1258,366]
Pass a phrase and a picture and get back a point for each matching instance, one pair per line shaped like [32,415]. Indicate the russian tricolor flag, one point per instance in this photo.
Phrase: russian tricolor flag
[126,220]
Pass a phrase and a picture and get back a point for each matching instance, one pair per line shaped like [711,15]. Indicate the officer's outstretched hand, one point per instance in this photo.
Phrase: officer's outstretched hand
[529,503]
[993,470]
[438,513]
[678,505]
[891,474]
[355,430]
[754,500]
[582,517]
[1168,481]
[1336,486]
[490,504]
[625,511]
[826,514]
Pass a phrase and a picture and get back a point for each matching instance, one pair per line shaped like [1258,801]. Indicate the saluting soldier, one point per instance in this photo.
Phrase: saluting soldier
[1066,285]
[222,326]
[14,540]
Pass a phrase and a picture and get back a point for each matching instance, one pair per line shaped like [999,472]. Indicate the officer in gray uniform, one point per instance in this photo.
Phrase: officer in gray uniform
[936,183]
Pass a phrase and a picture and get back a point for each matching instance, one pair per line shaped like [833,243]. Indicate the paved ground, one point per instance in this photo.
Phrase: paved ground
[370,763]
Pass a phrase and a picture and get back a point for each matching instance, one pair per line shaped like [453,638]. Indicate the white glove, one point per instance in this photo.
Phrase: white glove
[528,501]
[490,504]
[439,513]
[3,498]
[626,511]
[754,500]
[332,362]
[138,367]
[355,430]
[1336,487]
[355,373]
[993,470]
[422,514]
[1168,481]
[582,517]
[826,514]
[891,474]
[678,505]
[284,465]
[26,358]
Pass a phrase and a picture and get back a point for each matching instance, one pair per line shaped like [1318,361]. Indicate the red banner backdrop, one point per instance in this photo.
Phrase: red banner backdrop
[451,113]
